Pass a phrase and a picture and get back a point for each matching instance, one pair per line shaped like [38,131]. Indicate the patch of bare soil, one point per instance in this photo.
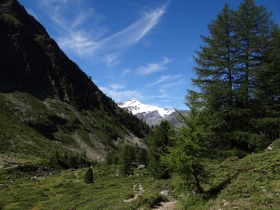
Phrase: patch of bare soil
[171,205]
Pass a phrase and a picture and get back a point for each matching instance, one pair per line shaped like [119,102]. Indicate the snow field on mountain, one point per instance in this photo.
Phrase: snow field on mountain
[136,107]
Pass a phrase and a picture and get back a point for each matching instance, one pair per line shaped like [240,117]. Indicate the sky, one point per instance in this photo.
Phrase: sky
[134,49]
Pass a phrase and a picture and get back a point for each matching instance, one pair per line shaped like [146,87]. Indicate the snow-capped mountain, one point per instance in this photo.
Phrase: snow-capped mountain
[152,115]
[136,107]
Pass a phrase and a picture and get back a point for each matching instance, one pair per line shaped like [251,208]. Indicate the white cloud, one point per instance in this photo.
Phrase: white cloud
[133,33]
[111,59]
[163,78]
[153,67]
[124,95]
[79,20]
[75,36]
[116,86]
[167,86]
[79,42]
[125,72]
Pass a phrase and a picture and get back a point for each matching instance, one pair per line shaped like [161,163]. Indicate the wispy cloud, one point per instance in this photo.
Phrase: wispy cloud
[75,36]
[188,59]
[163,78]
[122,95]
[163,96]
[125,72]
[153,67]
[70,22]
[168,86]
[133,33]
[111,59]
[78,42]
[119,92]
[116,86]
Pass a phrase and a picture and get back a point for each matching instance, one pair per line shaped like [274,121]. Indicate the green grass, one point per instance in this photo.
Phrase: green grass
[249,183]
[253,183]
[35,129]
[32,130]
[67,190]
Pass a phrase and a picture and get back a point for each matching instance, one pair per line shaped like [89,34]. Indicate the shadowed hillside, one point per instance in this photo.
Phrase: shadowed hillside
[47,102]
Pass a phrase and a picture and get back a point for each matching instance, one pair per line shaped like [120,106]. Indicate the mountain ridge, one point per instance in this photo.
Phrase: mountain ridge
[137,107]
[151,114]
[45,93]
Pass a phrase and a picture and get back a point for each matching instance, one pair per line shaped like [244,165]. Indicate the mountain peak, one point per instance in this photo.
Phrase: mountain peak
[132,101]
[137,107]
[152,115]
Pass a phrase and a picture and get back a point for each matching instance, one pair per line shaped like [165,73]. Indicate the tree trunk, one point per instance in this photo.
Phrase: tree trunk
[197,182]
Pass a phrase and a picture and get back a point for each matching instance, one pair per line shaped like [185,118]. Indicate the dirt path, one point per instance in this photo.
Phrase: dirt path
[138,190]
[171,205]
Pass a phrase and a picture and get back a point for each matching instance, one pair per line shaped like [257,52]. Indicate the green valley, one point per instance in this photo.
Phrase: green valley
[65,145]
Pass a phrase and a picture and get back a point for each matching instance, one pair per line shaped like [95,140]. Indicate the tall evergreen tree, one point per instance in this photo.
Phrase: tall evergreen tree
[215,78]
[158,144]
[253,32]
[142,156]
[186,156]
[226,69]
[268,90]
[124,161]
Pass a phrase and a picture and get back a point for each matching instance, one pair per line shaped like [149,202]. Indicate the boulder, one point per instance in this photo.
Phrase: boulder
[166,193]
[141,166]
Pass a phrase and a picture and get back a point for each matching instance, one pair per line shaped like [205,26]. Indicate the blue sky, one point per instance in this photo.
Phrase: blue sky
[134,49]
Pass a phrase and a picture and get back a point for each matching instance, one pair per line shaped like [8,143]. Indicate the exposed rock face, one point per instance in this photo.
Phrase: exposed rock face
[153,118]
[173,117]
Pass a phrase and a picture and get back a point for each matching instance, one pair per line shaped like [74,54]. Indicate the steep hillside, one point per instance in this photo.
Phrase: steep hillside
[47,102]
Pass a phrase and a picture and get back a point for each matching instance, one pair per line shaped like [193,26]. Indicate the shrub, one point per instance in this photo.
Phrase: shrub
[89,176]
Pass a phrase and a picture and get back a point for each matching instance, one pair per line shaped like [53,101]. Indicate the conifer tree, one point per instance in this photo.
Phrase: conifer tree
[268,90]
[253,32]
[142,156]
[190,144]
[89,176]
[158,143]
[124,161]
[215,72]
[226,69]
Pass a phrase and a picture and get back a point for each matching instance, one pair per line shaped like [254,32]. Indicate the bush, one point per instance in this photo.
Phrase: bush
[89,176]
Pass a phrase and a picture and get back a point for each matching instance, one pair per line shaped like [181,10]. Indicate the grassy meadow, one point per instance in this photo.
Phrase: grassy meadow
[249,183]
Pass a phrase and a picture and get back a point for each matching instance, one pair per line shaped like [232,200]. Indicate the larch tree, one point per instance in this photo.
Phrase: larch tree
[190,146]
[268,90]
[124,161]
[253,33]
[226,69]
